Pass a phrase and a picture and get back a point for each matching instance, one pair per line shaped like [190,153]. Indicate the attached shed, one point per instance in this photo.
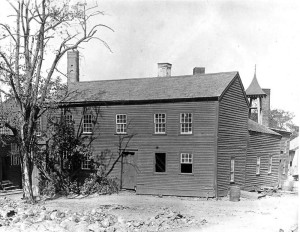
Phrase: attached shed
[263,156]
[284,155]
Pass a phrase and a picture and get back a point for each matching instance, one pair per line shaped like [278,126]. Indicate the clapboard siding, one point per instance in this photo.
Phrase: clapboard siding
[201,144]
[264,146]
[232,136]
[284,158]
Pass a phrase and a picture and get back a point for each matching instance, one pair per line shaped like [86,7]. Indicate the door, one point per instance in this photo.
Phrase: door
[129,170]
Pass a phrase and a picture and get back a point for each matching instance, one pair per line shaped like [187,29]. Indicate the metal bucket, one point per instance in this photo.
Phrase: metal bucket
[234,193]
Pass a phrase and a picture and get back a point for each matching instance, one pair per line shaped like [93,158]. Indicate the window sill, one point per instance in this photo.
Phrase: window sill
[185,134]
[87,133]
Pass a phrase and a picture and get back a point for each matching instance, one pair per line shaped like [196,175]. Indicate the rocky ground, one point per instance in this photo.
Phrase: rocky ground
[129,212]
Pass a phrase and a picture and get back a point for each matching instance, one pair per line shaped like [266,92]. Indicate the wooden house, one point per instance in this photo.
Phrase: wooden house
[190,132]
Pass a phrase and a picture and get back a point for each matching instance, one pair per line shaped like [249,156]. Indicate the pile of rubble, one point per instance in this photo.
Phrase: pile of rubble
[24,217]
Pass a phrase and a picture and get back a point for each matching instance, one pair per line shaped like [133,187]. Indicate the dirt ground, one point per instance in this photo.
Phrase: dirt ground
[270,213]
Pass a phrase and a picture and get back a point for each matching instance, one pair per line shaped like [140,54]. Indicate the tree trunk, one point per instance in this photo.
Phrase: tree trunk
[27,180]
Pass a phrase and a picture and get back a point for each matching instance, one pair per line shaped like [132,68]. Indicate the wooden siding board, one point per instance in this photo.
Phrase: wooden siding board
[201,144]
[232,136]
[262,145]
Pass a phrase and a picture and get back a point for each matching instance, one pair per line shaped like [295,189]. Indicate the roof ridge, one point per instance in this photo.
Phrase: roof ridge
[138,78]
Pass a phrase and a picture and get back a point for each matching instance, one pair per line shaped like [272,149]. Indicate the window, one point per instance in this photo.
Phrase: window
[87,123]
[232,169]
[270,164]
[15,159]
[65,160]
[186,123]
[258,165]
[186,161]
[283,167]
[121,123]
[160,123]
[4,130]
[38,127]
[68,118]
[86,162]
[286,146]
[160,162]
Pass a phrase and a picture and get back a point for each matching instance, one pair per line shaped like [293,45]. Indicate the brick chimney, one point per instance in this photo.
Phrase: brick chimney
[164,69]
[73,66]
[198,70]
[265,102]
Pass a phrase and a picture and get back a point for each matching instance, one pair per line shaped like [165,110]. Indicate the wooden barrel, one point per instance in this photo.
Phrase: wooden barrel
[234,193]
[288,185]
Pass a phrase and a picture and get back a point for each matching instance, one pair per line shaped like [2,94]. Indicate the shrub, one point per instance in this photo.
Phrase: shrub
[99,184]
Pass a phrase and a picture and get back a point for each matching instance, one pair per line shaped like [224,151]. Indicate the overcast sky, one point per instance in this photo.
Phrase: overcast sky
[218,35]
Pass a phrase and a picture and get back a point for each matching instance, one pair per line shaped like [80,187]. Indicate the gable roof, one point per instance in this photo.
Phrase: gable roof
[149,89]
[254,126]
[254,88]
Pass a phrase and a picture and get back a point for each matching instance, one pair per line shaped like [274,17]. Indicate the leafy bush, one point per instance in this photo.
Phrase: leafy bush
[99,184]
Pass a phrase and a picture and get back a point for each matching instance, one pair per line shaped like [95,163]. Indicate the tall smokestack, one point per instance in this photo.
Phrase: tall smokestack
[164,69]
[73,66]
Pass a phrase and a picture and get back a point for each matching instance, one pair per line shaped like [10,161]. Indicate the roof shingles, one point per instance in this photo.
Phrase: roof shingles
[154,88]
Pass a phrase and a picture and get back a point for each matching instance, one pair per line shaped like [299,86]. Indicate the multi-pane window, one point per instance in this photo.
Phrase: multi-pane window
[186,163]
[160,123]
[258,165]
[270,164]
[160,162]
[186,123]
[87,123]
[283,167]
[38,127]
[4,130]
[121,123]
[86,162]
[232,169]
[15,159]
[68,118]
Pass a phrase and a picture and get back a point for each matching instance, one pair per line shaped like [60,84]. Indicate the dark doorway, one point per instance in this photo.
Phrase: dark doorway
[4,168]
[129,170]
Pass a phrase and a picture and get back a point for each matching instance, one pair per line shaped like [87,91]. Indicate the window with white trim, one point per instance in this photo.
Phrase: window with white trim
[186,163]
[160,121]
[160,162]
[38,131]
[65,160]
[232,160]
[121,123]
[86,162]
[258,165]
[270,164]
[4,130]
[14,158]
[68,118]
[87,123]
[283,167]
[186,120]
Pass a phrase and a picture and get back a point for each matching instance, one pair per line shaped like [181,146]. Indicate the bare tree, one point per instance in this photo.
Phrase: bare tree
[42,30]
